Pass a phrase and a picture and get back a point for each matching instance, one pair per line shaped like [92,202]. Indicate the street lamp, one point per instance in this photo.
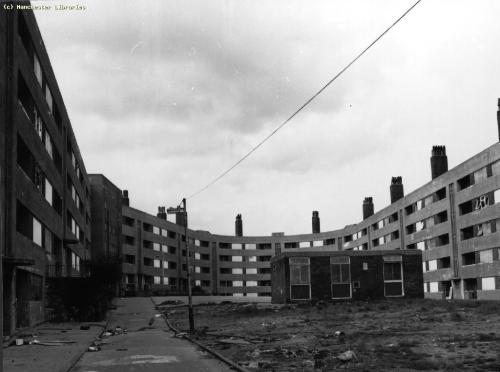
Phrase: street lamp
[183,210]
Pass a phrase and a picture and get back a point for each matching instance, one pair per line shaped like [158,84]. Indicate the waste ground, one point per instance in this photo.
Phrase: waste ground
[396,335]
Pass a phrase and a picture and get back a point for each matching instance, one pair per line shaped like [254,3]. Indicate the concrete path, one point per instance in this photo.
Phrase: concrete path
[145,348]
[50,358]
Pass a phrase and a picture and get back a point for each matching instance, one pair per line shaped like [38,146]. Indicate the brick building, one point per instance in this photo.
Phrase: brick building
[302,275]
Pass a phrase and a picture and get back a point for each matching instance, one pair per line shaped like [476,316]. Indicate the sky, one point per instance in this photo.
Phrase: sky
[165,95]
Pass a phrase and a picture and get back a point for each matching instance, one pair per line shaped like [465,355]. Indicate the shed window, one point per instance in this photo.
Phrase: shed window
[341,277]
[300,278]
[393,276]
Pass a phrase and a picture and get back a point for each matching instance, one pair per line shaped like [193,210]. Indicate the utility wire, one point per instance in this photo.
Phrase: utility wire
[305,104]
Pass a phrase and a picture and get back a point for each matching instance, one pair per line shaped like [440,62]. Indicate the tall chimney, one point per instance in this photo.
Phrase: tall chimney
[439,161]
[396,189]
[238,226]
[125,199]
[367,207]
[161,213]
[315,222]
[498,119]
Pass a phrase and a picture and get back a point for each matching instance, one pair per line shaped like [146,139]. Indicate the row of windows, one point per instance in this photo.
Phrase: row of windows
[426,201]
[478,176]
[385,221]
[386,238]
[427,222]
[432,265]
[241,271]
[223,258]
[485,256]
[437,241]
[480,202]
[340,277]
[74,227]
[480,229]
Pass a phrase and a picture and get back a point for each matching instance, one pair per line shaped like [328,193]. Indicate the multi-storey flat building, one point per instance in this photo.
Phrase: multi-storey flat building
[454,219]
[45,217]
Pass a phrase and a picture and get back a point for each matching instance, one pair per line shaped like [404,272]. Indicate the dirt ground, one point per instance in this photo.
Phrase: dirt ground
[396,335]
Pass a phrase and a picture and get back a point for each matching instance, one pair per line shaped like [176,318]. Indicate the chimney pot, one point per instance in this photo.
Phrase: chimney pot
[396,189]
[315,222]
[439,161]
[368,209]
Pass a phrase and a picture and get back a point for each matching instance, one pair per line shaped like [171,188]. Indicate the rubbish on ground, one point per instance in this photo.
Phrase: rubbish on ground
[51,342]
[346,356]
[94,348]
[19,341]
[106,334]
[180,334]
[340,336]
[234,341]
[158,315]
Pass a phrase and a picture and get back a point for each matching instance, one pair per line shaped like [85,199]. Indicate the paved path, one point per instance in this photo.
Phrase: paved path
[144,348]
[43,358]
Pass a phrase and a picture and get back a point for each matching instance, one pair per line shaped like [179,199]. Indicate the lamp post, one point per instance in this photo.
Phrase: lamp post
[183,210]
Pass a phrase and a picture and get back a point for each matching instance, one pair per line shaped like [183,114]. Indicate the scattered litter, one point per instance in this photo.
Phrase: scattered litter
[180,334]
[51,342]
[234,341]
[94,348]
[347,356]
[106,334]
[158,315]
[340,336]
[19,341]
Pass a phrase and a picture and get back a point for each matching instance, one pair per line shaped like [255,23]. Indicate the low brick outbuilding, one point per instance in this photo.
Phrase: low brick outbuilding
[302,275]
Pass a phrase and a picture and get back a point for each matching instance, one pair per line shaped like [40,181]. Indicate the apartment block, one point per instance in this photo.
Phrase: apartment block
[45,189]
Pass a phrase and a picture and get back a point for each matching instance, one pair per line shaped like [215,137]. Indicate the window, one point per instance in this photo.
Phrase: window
[432,265]
[48,191]
[37,232]
[165,264]
[156,247]
[251,283]
[164,248]
[197,256]
[48,97]
[486,256]
[318,243]
[433,287]
[340,276]
[197,269]
[300,288]
[237,246]
[250,246]
[156,230]
[236,270]
[165,280]
[251,271]
[156,263]
[237,259]
[304,244]
[252,259]
[157,280]
[237,283]
[393,276]
[488,284]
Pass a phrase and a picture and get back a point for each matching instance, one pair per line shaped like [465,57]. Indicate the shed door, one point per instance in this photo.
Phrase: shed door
[340,269]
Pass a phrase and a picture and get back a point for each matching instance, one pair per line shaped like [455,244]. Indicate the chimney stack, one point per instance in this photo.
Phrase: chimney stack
[238,226]
[439,161]
[396,189]
[315,222]
[367,207]
[498,119]
[161,213]
[125,199]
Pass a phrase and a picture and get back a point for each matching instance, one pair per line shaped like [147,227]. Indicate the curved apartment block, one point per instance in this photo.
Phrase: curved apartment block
[454,219]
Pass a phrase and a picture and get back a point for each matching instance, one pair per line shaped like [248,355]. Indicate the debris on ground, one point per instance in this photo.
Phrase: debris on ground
[94,348]
[51,342]
[324,336]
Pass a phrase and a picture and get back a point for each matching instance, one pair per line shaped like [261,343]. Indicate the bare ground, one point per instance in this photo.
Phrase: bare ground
[395,335]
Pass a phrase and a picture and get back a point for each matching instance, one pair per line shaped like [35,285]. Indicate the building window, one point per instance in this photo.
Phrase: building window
[304,244]
[250,246]
[165,264]
[237,259]
[393,276]
[156,247]
[197,269]
[486,256]
[300,278]
[251,271]
[236,270]
[251,283]
[156,230]
[165,280]
[340,269]
[488,284]
[433,287]
[157,280]
[156,263]
[237,283]
[197,256]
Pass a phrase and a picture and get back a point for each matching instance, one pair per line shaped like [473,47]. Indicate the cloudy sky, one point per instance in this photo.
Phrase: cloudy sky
[165,95]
